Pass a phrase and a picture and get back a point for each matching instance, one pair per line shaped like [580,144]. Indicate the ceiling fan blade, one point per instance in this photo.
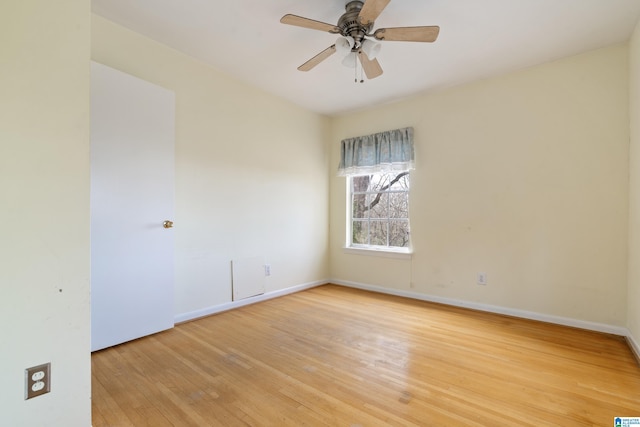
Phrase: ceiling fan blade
[318,58]
[408,34]
[299,21]
[371,10]
[371,67]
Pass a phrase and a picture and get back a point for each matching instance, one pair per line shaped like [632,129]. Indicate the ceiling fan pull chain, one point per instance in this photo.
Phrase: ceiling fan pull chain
[355,69]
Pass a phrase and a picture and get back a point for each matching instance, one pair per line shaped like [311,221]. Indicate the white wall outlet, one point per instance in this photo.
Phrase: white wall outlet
[37,381]
[482,278]
[267,269]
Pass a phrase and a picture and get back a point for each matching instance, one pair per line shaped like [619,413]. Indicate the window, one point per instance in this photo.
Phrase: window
[379,210]
[377,169]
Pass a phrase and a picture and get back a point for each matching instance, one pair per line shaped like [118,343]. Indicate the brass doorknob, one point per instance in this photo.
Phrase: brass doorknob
[167,224]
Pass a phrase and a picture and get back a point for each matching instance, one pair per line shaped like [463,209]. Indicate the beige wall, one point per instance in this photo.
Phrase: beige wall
[633,307]
[524,177]
[44,209]
[251,172]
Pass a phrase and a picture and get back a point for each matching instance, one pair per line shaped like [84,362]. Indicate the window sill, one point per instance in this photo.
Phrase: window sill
[385,253]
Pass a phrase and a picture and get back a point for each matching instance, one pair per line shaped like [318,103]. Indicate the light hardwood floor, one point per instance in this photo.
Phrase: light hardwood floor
[333,356]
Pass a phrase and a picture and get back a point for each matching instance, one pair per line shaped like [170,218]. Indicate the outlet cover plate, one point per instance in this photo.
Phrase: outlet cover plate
[482,278]
[37,381]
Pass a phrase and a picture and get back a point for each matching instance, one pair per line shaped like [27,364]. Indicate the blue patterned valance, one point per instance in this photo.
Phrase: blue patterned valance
[381,152]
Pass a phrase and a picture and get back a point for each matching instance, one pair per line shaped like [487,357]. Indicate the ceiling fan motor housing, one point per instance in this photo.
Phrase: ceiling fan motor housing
[350,25]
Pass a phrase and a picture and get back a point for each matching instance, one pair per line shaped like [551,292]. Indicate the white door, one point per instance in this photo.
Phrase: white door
[132,194]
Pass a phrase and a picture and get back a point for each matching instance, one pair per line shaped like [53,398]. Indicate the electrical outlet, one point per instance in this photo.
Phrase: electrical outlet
[37,381]
[267,269]
[482,278]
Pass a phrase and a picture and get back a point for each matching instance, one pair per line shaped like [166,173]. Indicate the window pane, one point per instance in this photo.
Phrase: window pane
[378,181]
[359,206]
[360,183]
[379,205]
[378,233]
[399,233]
[360,232]
[402,184]
[399,205]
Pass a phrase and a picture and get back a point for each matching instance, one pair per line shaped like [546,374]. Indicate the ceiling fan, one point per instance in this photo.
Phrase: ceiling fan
[355,28]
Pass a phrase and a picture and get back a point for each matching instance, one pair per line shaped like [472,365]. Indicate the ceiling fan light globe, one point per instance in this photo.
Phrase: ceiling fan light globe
[344,45]
[371,48]
[349,61]
[351,41]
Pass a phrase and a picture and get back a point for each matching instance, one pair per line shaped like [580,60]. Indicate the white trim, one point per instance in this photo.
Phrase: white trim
[633,344]
[185,317]
[385,253]
[582,324]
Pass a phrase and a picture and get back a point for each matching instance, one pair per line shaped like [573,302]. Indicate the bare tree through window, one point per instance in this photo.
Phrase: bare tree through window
[380,210]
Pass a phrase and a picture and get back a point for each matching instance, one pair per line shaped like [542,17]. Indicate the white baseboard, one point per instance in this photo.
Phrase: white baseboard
[185,317]
[633,344]
[582,324]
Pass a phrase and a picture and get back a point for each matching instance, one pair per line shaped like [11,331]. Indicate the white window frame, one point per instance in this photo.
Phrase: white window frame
[376,250]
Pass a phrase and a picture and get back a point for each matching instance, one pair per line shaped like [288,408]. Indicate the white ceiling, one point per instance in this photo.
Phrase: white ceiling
[478,39]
